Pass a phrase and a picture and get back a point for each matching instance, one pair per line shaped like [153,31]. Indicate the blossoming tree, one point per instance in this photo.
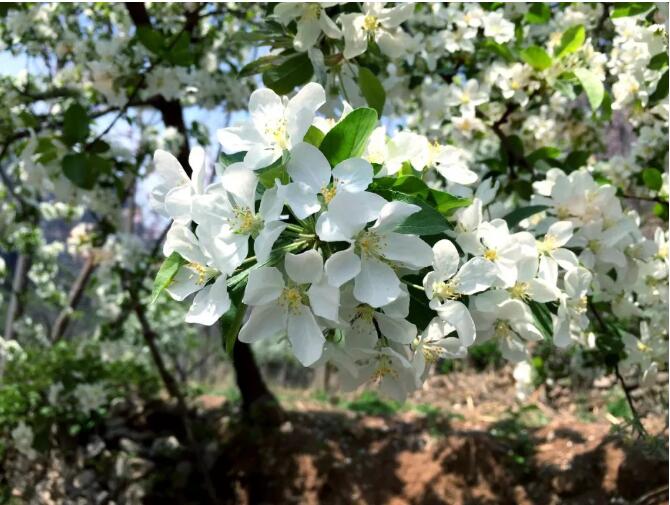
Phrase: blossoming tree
[406,181]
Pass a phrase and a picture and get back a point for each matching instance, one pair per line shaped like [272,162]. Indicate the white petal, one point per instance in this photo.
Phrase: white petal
[266,239]
[210,303]
[308,32]
[235,139]
[265,321]
[184,283]
[565,258]
[325,300]
[542,291]
[445,259]
[354,174]
[393,214]
[398,330]
[182,240]
[309,166]
[310,97]
[169,168]
[408,250]
[241,182]
[376,284]
[197,160]
[304,268]
[264,285]
[561,231]
[329,27]
[328,229]
[352,211]
[342,266]
[178,203]
[259,156]
[302,199]
[475,275]
[305,336]
[458,315]
[272,203]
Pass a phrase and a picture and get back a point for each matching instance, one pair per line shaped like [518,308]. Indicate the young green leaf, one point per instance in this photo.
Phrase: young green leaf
[571,40]
[536,57]
[626,9]
[314,136]
[427,221]
[371,89]
[661,90]
[78,169]
[538,14]
[75,124]
[347,138]
[292,72]
[593,87]
[652,178]
[166,273]
[152,39]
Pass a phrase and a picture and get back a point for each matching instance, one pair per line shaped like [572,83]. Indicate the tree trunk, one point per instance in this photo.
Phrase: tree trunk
[15,307]
[258,402]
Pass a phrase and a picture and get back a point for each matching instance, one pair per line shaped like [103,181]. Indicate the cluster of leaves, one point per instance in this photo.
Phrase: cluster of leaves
[26,382]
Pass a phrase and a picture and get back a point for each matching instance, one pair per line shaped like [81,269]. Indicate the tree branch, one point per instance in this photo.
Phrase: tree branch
[74,297]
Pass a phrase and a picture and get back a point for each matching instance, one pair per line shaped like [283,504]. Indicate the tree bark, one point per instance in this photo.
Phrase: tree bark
[74,297]
[15,307]
[258,402]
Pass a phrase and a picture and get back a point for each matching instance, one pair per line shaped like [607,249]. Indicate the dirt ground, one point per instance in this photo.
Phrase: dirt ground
[463,440]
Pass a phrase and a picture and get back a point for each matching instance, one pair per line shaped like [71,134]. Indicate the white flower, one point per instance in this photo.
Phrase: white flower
[572,306]
[467,95]
[202,255]
[227,211]
[173,197]
[434,344]
[552,254]
[378,23]
[444,286]
[311,175]
[364,321]
[289,308]
[511,323]
[277,124]
[495,244]
[312,20]
[372,252]
[498,28]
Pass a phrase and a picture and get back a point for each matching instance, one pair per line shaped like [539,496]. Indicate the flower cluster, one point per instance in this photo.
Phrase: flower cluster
[327,257]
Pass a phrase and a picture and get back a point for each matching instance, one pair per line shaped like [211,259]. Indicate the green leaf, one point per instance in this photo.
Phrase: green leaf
[76,168]
[347,139]
[152,39]
[447,203]
[542,317]
[180,52]
[571,40]
[371,89]
[427,221]
[536,57]
[631,9]
[231,321]
[658,61]
[292,72]
[499,49]
[652,178]
[268,175]
[661,90]
[592,86]
[518,215]
[166,273]
[75,124]
[228,159]
[575,160]
[543,153]
[538,14]
[408,184]
[260,65]
[314,136]
[98,147]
